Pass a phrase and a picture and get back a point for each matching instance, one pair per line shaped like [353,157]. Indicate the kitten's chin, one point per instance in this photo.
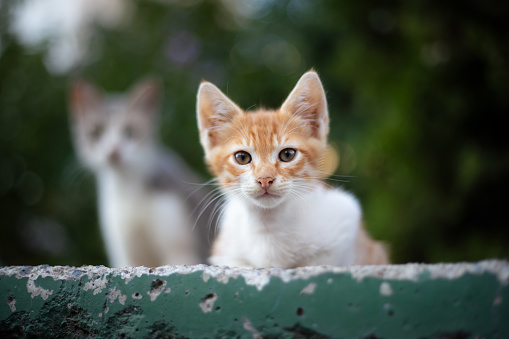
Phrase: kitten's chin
[267,200]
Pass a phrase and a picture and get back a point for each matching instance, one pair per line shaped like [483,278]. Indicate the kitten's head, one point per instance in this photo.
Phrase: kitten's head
[114,132]
[265,156]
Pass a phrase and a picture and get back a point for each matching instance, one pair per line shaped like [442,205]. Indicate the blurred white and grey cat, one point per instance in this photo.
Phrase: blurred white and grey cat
[146,193]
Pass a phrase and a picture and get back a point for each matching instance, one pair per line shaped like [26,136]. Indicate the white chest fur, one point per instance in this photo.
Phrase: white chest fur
[142,226]
[321,229]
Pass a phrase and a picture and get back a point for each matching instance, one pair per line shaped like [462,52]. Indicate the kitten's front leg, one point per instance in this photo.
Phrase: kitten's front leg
[116,249]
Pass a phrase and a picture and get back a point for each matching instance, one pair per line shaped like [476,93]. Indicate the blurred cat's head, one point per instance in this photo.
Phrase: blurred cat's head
[265,157]
[114,132]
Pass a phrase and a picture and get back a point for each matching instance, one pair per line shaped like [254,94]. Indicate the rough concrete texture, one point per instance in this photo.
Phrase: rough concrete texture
[469,300]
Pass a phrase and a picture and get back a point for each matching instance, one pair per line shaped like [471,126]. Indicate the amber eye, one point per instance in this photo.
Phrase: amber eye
[287,154]
[96,132]
[243,158]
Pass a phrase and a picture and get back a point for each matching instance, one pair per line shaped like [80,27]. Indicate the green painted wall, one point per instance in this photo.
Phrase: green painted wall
[401,301]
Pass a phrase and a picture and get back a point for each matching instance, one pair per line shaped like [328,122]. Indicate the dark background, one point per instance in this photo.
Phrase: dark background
[418,95]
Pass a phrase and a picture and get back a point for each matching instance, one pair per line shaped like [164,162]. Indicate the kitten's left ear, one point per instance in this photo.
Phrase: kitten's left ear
[146,95]
[215,111]
[84,98]
[308,101]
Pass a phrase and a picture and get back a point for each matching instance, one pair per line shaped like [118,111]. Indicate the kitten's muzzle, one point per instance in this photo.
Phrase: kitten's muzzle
[265,182]
[114,156]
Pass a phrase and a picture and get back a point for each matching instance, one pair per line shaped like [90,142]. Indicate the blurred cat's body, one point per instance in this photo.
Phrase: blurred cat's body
[144,222]
[278,213]
[145,193]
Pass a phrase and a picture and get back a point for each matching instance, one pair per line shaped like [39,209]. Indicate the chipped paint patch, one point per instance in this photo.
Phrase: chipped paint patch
[156,288]
[114,294]
[385,289]
[207,303]
[37,290]
[137,296]
[97,284]
[128,274]
[11,301]
[248,326]
[309,289]
[205,276]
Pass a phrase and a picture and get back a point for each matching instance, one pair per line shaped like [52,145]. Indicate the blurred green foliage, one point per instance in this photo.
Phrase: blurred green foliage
[418,96]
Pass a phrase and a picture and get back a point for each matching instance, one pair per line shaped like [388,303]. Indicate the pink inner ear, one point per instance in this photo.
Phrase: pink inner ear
[308,101]
[146,96]
[75,97]
[83,96]
[215,112]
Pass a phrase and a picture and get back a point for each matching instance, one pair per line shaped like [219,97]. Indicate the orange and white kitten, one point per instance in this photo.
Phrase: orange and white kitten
[278,214]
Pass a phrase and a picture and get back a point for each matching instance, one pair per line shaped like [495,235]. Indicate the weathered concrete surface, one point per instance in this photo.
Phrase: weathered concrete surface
[399,301]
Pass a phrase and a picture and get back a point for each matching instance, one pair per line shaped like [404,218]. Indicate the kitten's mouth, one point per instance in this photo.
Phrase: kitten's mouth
[266,195]
[266,199]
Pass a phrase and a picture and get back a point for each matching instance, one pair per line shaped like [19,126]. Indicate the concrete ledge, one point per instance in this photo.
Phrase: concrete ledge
[467,300]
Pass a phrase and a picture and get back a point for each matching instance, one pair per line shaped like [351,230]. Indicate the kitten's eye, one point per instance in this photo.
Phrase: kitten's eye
[96,132]
[129,132]
[243,158]
[287,154]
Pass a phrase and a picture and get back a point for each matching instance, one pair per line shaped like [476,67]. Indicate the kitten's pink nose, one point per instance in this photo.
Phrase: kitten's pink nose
[265,182]
[114,156]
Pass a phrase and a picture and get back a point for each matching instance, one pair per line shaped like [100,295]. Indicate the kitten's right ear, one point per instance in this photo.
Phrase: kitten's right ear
[214,111]
[83,97]
[146,95]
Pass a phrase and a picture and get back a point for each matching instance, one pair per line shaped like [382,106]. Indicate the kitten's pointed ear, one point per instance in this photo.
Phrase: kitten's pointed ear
[214,112]
[308,100]
[83,98]
[146,95]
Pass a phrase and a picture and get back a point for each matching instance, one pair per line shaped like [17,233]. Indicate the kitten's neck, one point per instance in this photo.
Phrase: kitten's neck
[115,181]
[269,219]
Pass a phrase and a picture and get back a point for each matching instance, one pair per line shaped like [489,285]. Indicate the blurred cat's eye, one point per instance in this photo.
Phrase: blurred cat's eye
[96,132]
[129,132]
[243,158]
[287,154]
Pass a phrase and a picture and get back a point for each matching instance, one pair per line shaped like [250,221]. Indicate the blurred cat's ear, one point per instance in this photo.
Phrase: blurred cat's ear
[146,95]
[308,101]
[214,111]
[83,98]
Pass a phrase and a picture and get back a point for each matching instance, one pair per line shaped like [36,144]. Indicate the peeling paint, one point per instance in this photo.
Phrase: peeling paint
[205,276]
[261,277]
[207,303]
[309,289]
[386,289]
[248,326]
[137,296]
[11,301]
[37,291]
[157,287]
[128,274]
[97,284]
[114,294]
